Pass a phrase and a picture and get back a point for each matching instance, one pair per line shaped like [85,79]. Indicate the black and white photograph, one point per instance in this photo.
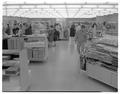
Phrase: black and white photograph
[59,46]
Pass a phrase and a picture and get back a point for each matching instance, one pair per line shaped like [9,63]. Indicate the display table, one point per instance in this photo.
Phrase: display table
[100,60]
[37,47]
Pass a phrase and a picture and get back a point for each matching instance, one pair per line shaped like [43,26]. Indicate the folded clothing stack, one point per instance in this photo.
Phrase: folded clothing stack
[115,61]
[35,39]
[99,56]
[111,67]
[12,71]
[11,63]
[105,51]
[6,57]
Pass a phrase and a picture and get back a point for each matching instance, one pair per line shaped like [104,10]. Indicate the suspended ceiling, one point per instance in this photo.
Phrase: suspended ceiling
[59,10]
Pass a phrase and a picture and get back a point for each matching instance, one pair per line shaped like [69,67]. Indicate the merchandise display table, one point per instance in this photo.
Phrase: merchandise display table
[37,47]
[100,60]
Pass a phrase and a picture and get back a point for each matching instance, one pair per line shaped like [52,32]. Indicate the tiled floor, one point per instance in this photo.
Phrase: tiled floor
[61,72]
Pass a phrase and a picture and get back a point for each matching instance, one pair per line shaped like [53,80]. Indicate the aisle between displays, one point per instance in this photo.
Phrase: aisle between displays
[61,72]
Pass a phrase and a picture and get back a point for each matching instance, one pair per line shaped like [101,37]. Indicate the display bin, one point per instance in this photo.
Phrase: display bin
[37,47]
[36,54]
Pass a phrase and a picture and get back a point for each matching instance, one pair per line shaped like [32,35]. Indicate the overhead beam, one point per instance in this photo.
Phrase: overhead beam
[30,4]
[6,11]
[77,12]
[56,11]
[22,13]
[48,12]
[25,13]
[31,12]
[16,11]
[70,8]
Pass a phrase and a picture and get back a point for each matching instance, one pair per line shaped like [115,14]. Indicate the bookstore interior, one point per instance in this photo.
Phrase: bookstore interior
[48,46]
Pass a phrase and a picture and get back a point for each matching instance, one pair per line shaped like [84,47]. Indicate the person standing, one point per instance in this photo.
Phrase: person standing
[57,32]
[51,35]
[27,30]
[8,30]
[15,30]
[72,33]
[81,37]
[103,29]
[20,30]
[30,29]
[56,36]
[94,27]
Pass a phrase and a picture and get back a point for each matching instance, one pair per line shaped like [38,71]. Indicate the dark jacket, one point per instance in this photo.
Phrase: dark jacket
[56,35]
[15,30]
[50,35]
[28,31]
[72,31]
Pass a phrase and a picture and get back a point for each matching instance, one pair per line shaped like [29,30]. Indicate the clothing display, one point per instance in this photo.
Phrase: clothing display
[100,55]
